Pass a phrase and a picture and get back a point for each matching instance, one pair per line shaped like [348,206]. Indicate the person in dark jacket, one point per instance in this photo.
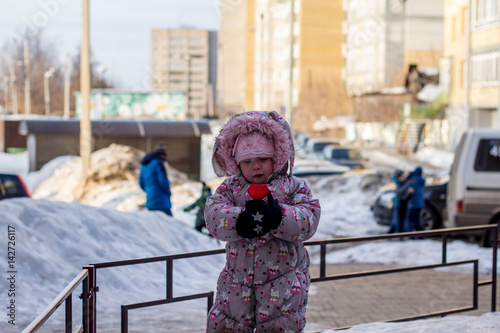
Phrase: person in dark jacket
[399,203]
[415,193]
[206,192]
[154,181]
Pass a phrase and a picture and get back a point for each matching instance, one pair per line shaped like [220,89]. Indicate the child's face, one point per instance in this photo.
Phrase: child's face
[257,170]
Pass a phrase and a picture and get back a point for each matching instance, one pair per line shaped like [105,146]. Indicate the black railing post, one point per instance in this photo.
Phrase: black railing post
[475,296]
[444,239]
[170,278]
[124,319]
[69,313]
[322,267]
[90,319]
[85,304]
[494,270]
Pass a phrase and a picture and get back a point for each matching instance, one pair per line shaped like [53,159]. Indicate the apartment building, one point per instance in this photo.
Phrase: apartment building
[235,56]
[283,55]
[382,39]
[472,47]
[186,60]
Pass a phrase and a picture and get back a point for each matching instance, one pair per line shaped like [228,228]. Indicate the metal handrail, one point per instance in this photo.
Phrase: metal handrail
[64,296]
[88,276]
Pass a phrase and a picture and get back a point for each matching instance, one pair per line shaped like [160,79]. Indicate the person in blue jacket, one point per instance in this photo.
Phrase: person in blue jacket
[415,192]
[399,203]
[154,181]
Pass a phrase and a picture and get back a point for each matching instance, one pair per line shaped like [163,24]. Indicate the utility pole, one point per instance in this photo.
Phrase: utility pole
[46,82]
[27,79]
[6,80]
[85,125]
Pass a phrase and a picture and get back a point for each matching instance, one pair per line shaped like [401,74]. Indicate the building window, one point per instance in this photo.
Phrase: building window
[196,40]
[486,13]
[485,68]
[463,74]
[176,39]
[464,21]
[453,28]
[177,64]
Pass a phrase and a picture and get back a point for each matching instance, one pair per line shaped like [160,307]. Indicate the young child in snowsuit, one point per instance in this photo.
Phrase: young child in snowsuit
[265,282]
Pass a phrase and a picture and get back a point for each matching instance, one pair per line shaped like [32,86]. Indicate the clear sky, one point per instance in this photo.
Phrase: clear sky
[120,30]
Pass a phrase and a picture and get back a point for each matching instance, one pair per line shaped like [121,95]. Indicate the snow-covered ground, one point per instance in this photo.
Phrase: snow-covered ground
[69,225]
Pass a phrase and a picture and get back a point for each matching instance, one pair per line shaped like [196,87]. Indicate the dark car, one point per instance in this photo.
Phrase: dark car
[12,186]
[349,157]
[431,216]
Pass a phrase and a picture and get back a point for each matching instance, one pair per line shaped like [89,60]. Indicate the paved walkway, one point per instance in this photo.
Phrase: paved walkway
[349,302]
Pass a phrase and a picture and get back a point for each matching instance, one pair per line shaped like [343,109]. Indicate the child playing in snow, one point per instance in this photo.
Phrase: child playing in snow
[264,215]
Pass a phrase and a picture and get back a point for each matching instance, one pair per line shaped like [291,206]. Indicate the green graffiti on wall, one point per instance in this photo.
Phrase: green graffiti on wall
[125,104]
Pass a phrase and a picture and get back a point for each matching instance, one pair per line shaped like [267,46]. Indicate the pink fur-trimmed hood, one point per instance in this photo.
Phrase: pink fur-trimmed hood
[270,124]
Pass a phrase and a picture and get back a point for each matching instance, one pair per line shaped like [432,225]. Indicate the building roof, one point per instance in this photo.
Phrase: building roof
[137,128]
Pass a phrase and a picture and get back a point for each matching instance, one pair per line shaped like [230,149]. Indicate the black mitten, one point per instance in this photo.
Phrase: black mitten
[275,215]
[251,222]
[259,218]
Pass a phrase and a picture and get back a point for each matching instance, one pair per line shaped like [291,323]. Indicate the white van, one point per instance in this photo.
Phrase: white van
[473,196]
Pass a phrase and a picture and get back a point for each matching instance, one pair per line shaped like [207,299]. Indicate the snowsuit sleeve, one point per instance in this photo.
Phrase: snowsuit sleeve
[221,212]
[301,213]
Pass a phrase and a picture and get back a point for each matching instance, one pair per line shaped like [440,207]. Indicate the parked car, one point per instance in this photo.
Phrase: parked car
[431,216]
[306,168]
[12,186]
[314,147]
[349,157]
[474,186]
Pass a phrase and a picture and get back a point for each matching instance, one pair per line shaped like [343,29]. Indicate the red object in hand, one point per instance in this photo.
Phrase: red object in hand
[258,191]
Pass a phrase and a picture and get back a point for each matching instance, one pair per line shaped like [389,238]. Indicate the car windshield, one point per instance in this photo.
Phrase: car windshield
[350,154]
[320,145]
[9,185]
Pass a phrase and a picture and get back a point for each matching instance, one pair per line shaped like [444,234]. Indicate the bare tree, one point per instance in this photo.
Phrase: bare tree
[44,57]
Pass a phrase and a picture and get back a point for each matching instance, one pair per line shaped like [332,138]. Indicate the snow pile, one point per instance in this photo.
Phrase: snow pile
[112,180]
[55,239]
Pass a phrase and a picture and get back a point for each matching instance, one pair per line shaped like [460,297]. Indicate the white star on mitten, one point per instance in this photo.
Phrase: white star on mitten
[257,217]
[258,229]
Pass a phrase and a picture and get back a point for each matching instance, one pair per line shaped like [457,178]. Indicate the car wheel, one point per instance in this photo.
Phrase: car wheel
[429,219]
[486,242]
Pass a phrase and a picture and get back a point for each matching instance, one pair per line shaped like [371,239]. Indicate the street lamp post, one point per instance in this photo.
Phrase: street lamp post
[47,75]
[13,89]
[67,83]
[27,79]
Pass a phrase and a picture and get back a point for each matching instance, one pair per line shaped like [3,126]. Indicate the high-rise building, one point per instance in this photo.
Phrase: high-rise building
[283,55]
[472,47]
[186,60]
[384,37]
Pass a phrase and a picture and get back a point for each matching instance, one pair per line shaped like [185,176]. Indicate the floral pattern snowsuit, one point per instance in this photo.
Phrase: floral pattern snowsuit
[265,282]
